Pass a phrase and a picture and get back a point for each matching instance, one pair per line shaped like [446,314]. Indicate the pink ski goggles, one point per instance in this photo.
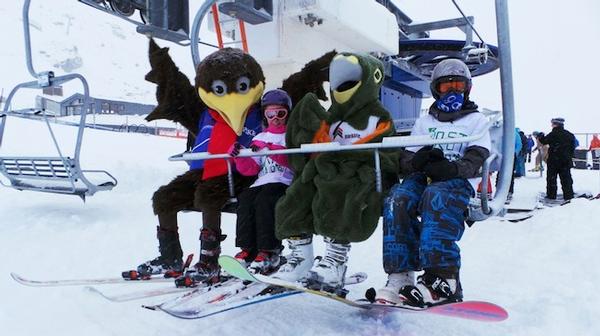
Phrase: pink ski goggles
[277,112]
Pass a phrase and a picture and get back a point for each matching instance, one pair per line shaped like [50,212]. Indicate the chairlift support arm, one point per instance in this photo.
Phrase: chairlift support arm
[195,32]
[508,108]
[71,165]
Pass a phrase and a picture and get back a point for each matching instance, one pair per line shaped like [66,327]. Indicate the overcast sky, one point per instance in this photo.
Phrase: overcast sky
[555,47]
[554,51]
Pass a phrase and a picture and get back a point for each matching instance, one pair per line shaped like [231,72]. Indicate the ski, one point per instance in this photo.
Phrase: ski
[472,310]
[516,216]
[233,267]
[200,305]
[82,282]
[200,298]
[517,213]
[220,302]
[137,295]
[225,302]
[142,294]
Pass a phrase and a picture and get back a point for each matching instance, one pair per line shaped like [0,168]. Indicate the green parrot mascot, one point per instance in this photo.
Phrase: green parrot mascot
[334,193]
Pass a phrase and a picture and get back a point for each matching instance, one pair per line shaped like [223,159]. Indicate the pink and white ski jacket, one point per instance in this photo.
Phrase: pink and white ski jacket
[271,168]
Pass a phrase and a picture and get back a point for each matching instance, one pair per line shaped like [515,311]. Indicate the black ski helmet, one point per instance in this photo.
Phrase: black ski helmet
[447,69]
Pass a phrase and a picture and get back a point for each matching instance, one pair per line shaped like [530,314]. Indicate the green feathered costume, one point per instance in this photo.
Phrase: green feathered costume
[333,193]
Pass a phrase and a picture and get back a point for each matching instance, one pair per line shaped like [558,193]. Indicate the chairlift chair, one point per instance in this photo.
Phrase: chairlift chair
[53,174]
[422,55]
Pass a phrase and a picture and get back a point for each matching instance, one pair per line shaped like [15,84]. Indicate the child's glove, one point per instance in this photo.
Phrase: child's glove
[421,157]
[441,170]
[426,155]
[234,150]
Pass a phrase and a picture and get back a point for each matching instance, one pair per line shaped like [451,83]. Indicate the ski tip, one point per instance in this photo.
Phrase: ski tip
[233,267]
[361,276]
[20,279]
[94,291]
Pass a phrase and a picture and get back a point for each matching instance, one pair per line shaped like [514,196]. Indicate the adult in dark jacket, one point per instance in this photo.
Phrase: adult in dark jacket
[560,153]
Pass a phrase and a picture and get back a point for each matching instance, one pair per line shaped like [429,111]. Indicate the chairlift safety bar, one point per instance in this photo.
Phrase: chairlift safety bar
[387,143]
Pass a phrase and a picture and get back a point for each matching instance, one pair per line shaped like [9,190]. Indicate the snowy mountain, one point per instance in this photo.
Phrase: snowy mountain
[68,36]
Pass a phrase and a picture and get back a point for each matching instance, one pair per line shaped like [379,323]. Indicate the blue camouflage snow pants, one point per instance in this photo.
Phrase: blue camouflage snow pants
[410,244]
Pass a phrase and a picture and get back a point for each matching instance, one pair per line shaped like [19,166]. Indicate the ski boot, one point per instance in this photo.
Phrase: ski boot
[207,270]
[266,262]
[298,262]
[400,290]
[439,289]
[328,273]
[245,257]
[168,262]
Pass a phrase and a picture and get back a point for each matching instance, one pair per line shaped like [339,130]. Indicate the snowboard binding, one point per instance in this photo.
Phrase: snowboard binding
[317,285]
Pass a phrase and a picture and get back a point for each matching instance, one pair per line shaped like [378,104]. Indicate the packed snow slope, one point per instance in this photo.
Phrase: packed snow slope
[543,270]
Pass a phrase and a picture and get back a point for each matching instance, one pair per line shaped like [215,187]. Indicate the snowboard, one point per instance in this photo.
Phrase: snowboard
[559,201]
[472,310]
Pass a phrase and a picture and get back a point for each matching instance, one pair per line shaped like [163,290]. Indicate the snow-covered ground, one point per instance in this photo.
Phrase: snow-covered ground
[543,270]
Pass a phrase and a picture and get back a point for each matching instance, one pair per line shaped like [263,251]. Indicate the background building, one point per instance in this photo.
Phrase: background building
[73,104]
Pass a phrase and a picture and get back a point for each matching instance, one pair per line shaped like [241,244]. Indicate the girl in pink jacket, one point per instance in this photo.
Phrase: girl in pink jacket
[255,231]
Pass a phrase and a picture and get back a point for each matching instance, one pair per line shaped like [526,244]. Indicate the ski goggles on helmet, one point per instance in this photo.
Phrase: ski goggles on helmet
[279,113]
[451,84]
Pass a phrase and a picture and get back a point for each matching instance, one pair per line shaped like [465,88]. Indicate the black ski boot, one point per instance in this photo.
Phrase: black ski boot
[207,270]
[440,287]
[169,261]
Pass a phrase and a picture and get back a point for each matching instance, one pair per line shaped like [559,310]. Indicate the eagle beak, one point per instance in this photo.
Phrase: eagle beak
[233,107]
[345,74]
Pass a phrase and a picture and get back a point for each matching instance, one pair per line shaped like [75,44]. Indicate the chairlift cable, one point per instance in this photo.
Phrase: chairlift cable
[471,25]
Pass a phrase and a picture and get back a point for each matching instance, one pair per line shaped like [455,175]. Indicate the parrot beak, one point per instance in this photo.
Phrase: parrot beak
[345,74]
[233,107]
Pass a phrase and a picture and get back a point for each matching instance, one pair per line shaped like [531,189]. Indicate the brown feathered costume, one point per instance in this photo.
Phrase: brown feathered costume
[222,108]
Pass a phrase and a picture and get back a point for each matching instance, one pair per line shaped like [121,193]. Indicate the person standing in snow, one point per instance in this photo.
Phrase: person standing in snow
[521,155]
[255,232]
[438,190]
[530,144]
[542,150]
[560,159]
[595,143]
[518,149]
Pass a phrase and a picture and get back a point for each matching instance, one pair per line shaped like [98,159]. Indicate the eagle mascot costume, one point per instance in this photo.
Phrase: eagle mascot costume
[223,107]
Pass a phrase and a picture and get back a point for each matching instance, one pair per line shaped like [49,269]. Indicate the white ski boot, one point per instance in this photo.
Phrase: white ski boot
[329,272]
[400,290]
[299,262]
